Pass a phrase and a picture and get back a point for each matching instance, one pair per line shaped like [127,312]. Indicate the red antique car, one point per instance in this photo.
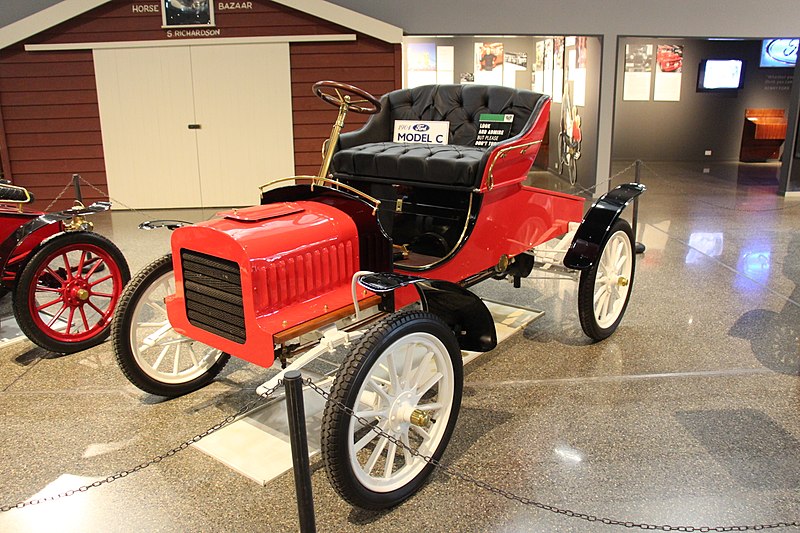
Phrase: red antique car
[65,280]
[377,251]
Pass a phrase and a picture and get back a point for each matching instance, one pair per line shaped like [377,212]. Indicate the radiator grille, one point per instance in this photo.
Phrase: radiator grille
[213,293]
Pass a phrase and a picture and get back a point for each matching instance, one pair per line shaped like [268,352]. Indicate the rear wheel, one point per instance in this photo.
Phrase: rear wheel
[151,354]
[404,379]
[65,297]
[605,288]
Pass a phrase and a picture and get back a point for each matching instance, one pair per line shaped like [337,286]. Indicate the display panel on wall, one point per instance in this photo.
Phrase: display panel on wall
[429,64]
[489,63]
[779,53]
[720,75]
[638,72]
[669,69]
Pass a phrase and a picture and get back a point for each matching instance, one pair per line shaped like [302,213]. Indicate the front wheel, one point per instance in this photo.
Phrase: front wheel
[404,379]
[604,289]
[65,296]
[151,354]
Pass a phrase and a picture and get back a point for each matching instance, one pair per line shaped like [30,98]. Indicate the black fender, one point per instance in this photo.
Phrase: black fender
[13,241]
[596,226]
[460,309]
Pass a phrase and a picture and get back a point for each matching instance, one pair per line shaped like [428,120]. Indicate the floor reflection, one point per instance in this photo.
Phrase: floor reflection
[775,337]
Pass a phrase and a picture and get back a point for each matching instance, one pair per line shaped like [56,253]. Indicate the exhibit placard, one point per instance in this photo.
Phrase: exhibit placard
[421,131]
[493,128]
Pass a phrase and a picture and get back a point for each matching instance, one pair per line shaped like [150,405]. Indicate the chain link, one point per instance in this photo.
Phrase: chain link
[590,191]
[144,214]
[57,198]
[155,460]
[451,471]
[463,476]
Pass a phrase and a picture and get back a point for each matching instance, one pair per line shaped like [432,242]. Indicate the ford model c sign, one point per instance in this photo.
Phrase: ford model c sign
[423,132]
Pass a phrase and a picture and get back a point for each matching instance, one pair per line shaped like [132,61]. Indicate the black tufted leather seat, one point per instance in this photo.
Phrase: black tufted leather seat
[369,153]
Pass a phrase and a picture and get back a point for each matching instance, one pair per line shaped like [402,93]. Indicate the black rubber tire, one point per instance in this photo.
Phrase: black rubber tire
[120,337]
[26,285]
[586,313]
[351,375]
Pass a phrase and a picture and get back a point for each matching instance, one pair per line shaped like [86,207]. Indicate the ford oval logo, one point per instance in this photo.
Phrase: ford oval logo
[421,127]
[783,50]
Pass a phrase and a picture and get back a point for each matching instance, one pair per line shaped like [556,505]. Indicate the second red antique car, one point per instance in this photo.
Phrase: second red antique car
[378,251]
[64,279]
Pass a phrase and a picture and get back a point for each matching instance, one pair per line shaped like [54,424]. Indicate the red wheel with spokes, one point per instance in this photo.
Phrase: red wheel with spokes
[66,295]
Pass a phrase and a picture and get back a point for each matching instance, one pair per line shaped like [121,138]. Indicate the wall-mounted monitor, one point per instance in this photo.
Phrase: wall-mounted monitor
[724,75]
[779,53]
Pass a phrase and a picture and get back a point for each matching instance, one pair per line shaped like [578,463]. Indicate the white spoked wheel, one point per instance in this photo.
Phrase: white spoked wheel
[151,354]
[404,379]
[605,288]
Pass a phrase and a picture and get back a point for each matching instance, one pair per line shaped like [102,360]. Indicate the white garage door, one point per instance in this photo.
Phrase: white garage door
[194,126]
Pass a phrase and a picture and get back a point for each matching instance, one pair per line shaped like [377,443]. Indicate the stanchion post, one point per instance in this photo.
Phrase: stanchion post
[639,247]
[76,182]
[295,411]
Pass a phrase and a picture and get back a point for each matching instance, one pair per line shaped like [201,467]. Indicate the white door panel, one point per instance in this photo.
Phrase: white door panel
[146,104]
[243,104]
[239,95]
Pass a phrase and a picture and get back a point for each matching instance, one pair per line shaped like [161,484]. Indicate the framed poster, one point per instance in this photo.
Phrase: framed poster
[537,81]
[187,13]
[489,63]
[421,64]
[558,69]
[669,67]
[548,67]
[638,72]
[515,62]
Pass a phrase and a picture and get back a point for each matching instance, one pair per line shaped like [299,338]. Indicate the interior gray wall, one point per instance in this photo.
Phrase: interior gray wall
[685,18]
[682,131]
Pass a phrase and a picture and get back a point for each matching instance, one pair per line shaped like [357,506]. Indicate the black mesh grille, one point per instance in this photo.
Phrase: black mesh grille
[213,292]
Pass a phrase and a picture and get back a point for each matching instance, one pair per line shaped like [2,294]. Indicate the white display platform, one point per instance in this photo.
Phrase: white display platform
[10,333]
[257,445]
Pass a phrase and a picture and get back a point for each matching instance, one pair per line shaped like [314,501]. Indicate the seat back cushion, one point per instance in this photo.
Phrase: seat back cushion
[369,152]
[463,105]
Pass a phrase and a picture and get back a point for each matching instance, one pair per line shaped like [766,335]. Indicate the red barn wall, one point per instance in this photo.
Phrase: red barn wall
[49,115]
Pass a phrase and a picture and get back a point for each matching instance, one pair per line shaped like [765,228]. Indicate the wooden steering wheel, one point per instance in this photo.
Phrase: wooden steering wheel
[367,104]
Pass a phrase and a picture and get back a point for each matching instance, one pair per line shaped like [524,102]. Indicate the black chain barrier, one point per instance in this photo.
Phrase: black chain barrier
[528,501]
[157,459]
[449,470]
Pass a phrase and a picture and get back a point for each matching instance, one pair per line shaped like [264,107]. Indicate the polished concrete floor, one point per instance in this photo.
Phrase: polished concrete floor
[688,415]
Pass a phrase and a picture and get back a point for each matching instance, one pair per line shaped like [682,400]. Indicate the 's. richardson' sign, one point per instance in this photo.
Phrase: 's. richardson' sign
[421,131]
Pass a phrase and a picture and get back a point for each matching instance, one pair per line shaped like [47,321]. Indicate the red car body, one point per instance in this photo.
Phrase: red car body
[295,259]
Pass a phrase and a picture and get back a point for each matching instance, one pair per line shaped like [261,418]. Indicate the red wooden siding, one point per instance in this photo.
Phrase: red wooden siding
[371,65]
[49,116]
[51,122]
